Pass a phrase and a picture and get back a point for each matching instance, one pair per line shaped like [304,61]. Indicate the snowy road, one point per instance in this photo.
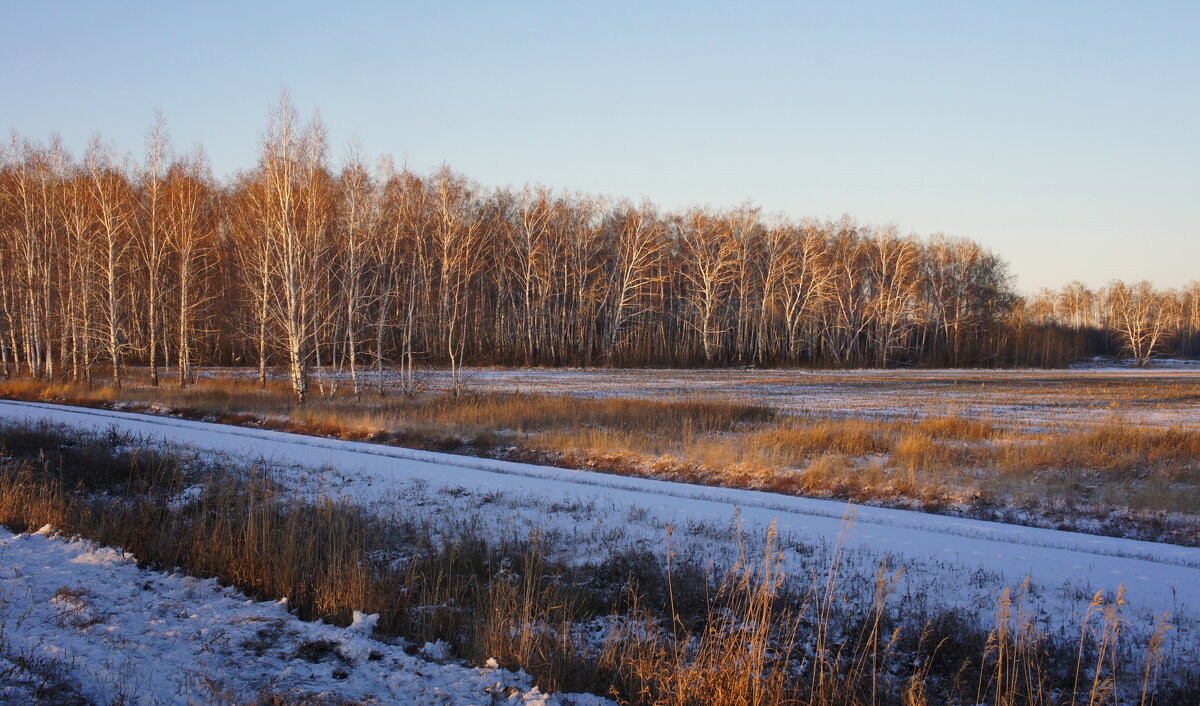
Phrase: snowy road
[1159,577]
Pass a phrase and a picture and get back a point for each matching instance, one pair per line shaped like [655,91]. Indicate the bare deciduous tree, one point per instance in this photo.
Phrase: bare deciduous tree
[114,211]
[189,229]
[1142,318]
[148,235]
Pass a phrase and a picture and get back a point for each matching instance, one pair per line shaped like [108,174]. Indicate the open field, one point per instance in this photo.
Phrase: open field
[716,527]
[1108,451]
[671,593]
[1158,396]
[1165,394]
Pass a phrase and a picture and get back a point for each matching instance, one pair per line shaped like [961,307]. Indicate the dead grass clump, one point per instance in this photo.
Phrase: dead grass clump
[797,441]
[827,470]
[741,653]
[917,450]
[953,426]
[29,502]
[30,389]
[1108,448]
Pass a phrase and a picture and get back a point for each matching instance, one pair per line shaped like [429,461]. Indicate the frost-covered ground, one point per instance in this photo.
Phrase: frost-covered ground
[1105,363]
[88,620]
[1101,391]
[948,562]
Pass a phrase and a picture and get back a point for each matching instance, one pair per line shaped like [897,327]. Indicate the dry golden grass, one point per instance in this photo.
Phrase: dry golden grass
[957,428]
[1114,449]
[799,440]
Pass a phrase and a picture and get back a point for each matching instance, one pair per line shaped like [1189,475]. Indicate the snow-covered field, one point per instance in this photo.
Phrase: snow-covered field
[948,562]
[114,633]
[1106,363]
[1164,394]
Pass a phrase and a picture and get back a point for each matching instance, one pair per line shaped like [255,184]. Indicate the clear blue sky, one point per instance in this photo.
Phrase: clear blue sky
[1063,135]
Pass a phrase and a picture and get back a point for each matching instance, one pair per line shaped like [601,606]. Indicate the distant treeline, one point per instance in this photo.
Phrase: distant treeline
[105,261]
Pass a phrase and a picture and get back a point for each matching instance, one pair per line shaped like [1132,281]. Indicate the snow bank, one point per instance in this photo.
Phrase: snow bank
[117,633]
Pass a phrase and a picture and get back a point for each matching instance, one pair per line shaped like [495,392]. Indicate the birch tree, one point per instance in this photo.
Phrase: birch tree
[1142,318]
[457,234]
[357,227]
[148,232]
[190,222]
[707,245]
[114,212]
[640,243]
[292,158]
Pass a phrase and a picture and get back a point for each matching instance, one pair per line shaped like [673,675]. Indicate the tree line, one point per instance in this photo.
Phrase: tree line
[1135,320]
[107,261]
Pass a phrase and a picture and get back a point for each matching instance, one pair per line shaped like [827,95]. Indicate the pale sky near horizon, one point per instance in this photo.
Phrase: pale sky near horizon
[1065,136]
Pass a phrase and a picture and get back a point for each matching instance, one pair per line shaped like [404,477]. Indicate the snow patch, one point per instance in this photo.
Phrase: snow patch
[112,632]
